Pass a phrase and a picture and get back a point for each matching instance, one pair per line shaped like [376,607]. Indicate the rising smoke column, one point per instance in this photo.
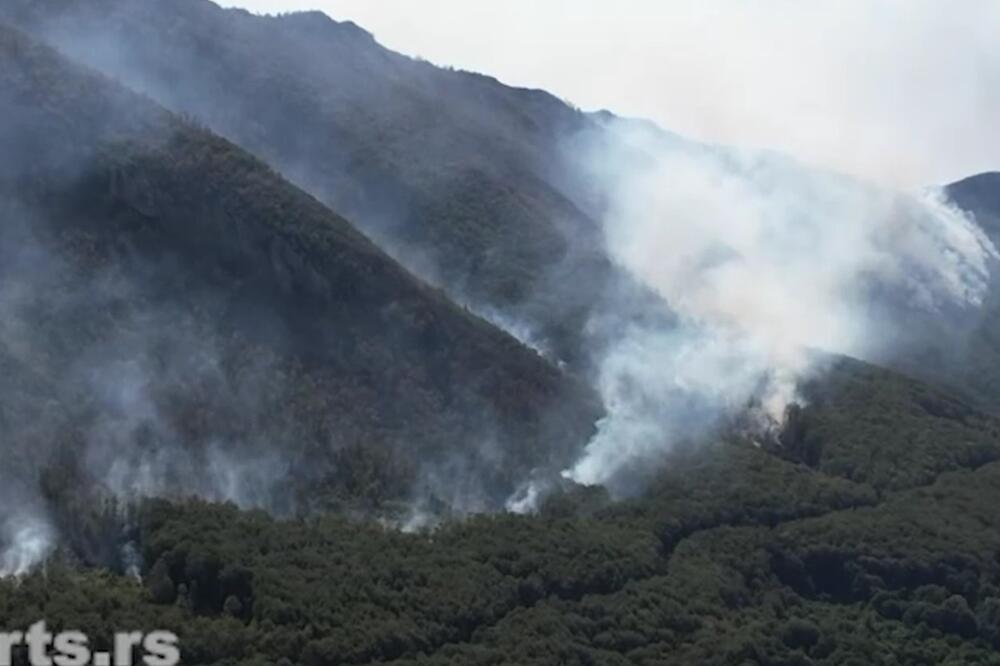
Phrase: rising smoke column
[27,535]
[763,260]
[27,541]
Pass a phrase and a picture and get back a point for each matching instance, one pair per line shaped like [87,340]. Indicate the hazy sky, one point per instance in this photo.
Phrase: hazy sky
[906,92]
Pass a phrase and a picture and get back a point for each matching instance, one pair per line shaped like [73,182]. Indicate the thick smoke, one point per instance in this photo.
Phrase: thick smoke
[763,261]
[27,540]
[27,533]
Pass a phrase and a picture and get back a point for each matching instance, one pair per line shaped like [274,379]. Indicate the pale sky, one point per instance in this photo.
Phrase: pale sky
[904,92]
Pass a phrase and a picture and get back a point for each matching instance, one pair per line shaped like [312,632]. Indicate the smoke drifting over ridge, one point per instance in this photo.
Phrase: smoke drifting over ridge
[764,262]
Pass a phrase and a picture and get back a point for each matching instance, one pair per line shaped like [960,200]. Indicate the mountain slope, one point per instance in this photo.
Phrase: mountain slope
[461,178]
[510,199]
[179,319]
[964,350]
[980,195]
[734,556]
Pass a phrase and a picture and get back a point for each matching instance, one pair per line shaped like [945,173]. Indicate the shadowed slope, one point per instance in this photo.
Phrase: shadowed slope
[197,324]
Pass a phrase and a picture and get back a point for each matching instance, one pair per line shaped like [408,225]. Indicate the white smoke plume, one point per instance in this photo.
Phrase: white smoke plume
[26,540]
[762,260]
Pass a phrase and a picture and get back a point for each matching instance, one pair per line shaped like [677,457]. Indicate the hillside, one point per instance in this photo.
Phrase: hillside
[463,179]
[733,556]
[964,349]
[980,195]
[227,412]
[180,319]
[508,199]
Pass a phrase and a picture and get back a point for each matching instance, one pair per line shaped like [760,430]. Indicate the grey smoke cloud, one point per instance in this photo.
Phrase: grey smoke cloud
[902,92]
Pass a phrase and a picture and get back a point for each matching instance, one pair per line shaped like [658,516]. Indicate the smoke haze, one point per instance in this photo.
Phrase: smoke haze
[901,92]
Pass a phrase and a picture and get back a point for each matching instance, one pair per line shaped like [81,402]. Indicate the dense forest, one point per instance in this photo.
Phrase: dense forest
[734,556]
[283,437]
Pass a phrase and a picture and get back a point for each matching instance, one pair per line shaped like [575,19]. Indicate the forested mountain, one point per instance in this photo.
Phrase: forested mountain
[178,318]
[220,400]
[504,197]
[461,178]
